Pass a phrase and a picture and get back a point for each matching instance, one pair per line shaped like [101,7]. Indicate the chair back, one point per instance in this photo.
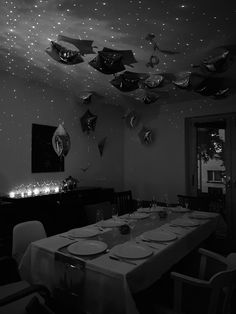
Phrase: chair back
[194,202]
[23,234]
[124,202]
[222,282]
[92,209]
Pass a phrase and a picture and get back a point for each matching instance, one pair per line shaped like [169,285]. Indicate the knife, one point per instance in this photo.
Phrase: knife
[121,260]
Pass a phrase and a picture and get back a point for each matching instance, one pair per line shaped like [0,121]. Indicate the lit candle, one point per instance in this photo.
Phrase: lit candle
[12,194]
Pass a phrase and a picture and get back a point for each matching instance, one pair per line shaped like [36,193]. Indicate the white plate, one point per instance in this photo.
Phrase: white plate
[144,210]
[110,223]
[158,209]
[137,216]
[159,236]
[179,209]
[131,250]
[201,215]
[83,233]
[87,247]
[184,223]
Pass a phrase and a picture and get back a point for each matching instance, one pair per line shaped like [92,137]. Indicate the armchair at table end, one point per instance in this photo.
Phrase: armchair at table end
[211,291]
[17,296]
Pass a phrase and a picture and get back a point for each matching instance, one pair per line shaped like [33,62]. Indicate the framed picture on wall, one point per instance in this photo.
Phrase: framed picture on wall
[43,156]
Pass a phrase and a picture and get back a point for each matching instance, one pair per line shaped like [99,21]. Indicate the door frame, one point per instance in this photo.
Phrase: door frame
[230,162]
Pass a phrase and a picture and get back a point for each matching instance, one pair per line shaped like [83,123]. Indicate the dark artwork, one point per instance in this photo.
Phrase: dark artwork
[43,156]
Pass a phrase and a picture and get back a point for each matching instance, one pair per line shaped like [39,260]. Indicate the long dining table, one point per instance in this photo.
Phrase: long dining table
[110,279]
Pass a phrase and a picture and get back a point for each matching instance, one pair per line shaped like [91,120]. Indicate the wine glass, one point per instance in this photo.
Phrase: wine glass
[114,211]
[186,204]
[132,224]
[139,203]
[99,215]
[166,199]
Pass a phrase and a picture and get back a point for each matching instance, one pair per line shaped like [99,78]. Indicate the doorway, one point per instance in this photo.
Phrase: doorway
[211,164]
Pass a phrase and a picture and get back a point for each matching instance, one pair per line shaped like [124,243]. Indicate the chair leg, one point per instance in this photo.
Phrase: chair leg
[177,296]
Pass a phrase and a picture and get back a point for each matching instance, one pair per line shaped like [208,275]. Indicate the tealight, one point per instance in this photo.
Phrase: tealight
[12,194]
[36,191]
[29,192]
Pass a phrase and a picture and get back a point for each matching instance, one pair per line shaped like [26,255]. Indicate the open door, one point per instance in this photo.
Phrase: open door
[211,164]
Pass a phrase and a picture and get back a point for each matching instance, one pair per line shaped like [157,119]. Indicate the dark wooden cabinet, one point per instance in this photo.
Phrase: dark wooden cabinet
[58,212]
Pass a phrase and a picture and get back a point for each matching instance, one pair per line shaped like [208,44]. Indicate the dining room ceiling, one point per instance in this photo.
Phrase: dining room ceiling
[169,38]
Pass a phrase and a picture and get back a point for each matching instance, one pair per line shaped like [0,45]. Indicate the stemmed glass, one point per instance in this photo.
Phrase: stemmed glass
[99,215]
[114,212]
[139,203]
[132,224]
[166,199]
[186,204]
[154,202]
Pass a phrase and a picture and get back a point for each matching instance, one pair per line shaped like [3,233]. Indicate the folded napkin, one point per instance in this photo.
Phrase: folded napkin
[153,244]
[174,229]
[184,222]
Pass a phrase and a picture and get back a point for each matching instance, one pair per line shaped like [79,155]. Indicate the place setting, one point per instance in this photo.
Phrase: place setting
[201,215]
[157,238]
[130,251]
[180,209]
[136,215]
[174,229]
[184,223]
[78,233]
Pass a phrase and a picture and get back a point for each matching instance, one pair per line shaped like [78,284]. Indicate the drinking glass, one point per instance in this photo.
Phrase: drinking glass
[99,215]
[186,204]
[114,212]
[139,203]
[166,199]
[132,224]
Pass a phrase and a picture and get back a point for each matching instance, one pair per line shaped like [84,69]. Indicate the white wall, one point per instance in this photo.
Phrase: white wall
[160,168]
[43,104]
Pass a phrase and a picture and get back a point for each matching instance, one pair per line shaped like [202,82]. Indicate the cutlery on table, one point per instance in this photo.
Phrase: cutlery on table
[147,244]
[67,236]
[172,230]
[119,259]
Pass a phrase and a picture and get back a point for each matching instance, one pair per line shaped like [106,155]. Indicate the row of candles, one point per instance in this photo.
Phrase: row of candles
[35,189]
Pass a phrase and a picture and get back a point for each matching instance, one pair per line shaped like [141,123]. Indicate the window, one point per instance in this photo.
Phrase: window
[214,176]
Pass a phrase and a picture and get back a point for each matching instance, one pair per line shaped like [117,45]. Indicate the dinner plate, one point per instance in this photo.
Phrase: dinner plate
[159,236]
[87,247]
[137,216]
[111,223]
[83,233]
[131,250]
[180,209]
[184,223]
[144,210]
[158,209]
[198,215]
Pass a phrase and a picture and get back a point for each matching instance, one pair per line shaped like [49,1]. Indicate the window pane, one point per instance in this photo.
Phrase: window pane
[209,175]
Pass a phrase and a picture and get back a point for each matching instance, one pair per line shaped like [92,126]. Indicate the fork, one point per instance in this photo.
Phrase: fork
[150,241]
[119,259]
[147,244]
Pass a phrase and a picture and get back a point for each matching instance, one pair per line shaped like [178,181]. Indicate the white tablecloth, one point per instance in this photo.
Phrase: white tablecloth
[109,284]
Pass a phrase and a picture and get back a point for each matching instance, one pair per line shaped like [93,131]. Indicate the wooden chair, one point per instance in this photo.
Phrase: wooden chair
[91,211]
[217,276]
[124,202]
[194,202]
